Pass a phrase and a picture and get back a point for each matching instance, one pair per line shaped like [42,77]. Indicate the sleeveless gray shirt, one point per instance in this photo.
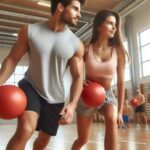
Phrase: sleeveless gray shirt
[49,53]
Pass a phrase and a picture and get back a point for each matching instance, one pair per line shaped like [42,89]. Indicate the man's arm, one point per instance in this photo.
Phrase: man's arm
[16,53]
[148,97]
[76,68]
[142,99]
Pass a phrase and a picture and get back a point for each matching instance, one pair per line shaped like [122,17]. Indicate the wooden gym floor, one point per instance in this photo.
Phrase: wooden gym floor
[129,138]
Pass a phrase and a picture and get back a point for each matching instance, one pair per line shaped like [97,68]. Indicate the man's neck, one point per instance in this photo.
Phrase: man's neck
[55,24]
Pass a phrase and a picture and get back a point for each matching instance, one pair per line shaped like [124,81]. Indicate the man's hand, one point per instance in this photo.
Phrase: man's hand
[67,114]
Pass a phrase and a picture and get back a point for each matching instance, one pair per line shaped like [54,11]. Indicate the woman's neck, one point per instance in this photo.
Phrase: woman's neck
[103,44]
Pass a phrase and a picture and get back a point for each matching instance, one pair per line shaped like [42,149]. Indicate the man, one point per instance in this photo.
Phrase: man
[51,48]
[140,109]
[148,97]
[126,113]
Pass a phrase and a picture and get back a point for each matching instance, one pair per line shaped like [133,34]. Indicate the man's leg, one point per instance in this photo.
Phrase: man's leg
[144,117]
[25,128]
[137,118]
[42,141]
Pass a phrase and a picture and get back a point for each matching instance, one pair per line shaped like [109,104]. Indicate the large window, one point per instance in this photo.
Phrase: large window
[144,47]
[17,75]
[127,67]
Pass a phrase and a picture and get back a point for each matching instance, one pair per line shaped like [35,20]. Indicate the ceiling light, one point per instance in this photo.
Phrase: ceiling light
[44,3]
[14,34]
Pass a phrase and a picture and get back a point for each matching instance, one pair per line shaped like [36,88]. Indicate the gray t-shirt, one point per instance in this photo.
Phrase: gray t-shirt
[49,53]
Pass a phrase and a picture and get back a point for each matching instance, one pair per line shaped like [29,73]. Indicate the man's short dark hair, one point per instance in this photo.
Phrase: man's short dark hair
[64,2]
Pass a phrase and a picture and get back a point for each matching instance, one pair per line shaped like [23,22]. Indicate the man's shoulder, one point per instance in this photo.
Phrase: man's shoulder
[72,33]
[34,27]
[36,24]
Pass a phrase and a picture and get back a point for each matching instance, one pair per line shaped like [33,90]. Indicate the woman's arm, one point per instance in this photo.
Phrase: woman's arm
[120,80]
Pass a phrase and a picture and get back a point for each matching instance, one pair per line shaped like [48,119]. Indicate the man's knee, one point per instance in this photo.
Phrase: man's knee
[25,132]
[43,138]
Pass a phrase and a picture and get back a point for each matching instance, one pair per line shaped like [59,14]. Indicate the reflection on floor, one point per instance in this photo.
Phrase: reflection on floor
[129,138]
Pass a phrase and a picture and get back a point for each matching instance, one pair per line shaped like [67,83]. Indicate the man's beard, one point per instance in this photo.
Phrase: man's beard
[68,22]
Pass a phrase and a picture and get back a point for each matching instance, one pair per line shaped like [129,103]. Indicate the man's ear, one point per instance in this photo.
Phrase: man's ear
[60,7]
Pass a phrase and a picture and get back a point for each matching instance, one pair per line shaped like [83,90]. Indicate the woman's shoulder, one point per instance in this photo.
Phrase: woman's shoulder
[121,54]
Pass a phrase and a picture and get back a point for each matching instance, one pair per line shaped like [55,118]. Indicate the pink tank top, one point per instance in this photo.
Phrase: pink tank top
[104,69]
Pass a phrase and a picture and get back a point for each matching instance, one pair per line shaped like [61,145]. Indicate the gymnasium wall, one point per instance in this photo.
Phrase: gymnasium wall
[4,51]
[140,21]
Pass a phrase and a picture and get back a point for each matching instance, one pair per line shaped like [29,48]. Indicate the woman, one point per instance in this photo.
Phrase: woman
[104,56]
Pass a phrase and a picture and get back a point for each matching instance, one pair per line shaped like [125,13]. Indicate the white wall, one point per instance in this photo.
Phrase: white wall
[140,21]
[140,18]
[4,51]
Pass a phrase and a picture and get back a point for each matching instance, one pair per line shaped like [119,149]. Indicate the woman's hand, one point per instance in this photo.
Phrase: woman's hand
[86,82]
[119,120]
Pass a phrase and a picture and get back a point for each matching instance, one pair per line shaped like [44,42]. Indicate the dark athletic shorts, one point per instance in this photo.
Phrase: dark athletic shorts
[125,118]
[48,113]
[140,108]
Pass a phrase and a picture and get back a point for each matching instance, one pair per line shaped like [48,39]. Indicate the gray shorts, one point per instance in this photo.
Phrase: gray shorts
[86,110]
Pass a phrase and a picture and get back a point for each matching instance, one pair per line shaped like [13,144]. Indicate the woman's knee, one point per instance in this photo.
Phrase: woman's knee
[110,114]
[111,120]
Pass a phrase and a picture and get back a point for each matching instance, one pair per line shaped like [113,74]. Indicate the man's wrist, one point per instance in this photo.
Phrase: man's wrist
[74,103]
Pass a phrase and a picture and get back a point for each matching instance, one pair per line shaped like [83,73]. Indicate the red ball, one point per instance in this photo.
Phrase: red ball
[93,94]
[134,102]
[12,101]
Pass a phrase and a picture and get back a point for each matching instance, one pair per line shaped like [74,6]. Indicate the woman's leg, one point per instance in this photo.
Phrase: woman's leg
[26,127]
[111,134]
[84,124]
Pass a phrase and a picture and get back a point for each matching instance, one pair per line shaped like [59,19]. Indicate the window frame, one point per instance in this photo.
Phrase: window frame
[14,80]
[141,61]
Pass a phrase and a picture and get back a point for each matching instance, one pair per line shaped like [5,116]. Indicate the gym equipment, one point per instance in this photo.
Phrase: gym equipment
[93,94]
[12,101]
[134,102]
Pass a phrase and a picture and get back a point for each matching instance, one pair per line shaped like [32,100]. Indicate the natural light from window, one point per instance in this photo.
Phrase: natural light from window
[127,68]
[144,48]
[17,75]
